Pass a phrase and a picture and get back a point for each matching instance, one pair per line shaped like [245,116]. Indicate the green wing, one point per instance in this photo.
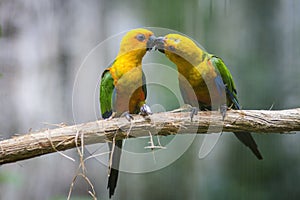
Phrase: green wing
[244,137]
[106,93]
[226,80]
[144,86]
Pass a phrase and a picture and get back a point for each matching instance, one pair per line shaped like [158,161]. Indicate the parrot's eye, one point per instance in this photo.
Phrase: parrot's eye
[140,37]
[171,48]
[176,40]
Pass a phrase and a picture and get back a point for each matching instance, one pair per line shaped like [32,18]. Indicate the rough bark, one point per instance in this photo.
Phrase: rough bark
[52,140]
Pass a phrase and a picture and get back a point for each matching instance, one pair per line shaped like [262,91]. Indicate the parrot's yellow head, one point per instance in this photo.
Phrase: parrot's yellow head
[137,42]
[179,48]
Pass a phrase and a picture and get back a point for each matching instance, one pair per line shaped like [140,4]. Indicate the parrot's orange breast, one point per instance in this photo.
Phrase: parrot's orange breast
[127,74]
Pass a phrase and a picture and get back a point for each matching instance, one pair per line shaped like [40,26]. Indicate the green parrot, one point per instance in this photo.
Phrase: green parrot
[123,89]
[208,77]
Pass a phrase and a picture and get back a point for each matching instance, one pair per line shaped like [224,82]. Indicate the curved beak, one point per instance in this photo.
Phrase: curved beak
[160,44]
[151,42]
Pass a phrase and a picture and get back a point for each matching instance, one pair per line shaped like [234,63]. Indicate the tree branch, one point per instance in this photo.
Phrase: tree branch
[168,123]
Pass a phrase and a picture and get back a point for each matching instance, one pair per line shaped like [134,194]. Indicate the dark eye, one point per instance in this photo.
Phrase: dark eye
[140,37]
[171,48]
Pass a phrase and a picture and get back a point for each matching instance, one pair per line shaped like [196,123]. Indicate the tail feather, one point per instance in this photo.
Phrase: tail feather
[247,139]
[114,167]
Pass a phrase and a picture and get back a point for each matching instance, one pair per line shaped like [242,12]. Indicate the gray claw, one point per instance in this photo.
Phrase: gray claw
[223,110]
[128,116]
[145,110]
[194,111]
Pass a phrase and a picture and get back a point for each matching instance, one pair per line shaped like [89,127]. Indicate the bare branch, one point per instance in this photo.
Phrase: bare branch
[52,140]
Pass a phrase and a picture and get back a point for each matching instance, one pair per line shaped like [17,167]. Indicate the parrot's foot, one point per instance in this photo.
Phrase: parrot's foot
[152,146]
[194,111]
[223,110]
[128,116]
[145,110]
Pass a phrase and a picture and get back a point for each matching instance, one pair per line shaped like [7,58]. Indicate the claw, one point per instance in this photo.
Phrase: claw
[223,110]
[145,110]
[128,116]
[194,111]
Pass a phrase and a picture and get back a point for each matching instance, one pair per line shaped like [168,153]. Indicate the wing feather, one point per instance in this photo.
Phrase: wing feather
[226,76]
[106,94]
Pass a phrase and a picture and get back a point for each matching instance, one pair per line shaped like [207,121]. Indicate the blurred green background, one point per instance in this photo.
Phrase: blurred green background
[43,44]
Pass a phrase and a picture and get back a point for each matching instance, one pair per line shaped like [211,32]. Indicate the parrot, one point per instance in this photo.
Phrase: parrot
[208,77]
[123,90]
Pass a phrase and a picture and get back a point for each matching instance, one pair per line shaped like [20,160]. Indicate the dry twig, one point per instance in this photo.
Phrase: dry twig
[52,140]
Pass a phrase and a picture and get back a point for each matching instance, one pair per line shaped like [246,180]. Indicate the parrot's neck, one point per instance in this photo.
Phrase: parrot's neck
[184,67]
[133,54]
[194,74]
[192,66]
[124,64]
[130,59]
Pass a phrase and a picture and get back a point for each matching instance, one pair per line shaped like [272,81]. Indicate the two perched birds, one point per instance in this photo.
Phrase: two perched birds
[123,85]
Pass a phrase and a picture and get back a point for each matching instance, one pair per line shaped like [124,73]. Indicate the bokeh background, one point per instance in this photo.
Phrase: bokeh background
[43,44]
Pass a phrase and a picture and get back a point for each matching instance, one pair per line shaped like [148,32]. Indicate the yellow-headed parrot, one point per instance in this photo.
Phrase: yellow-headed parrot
[208,77]
[123,88]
